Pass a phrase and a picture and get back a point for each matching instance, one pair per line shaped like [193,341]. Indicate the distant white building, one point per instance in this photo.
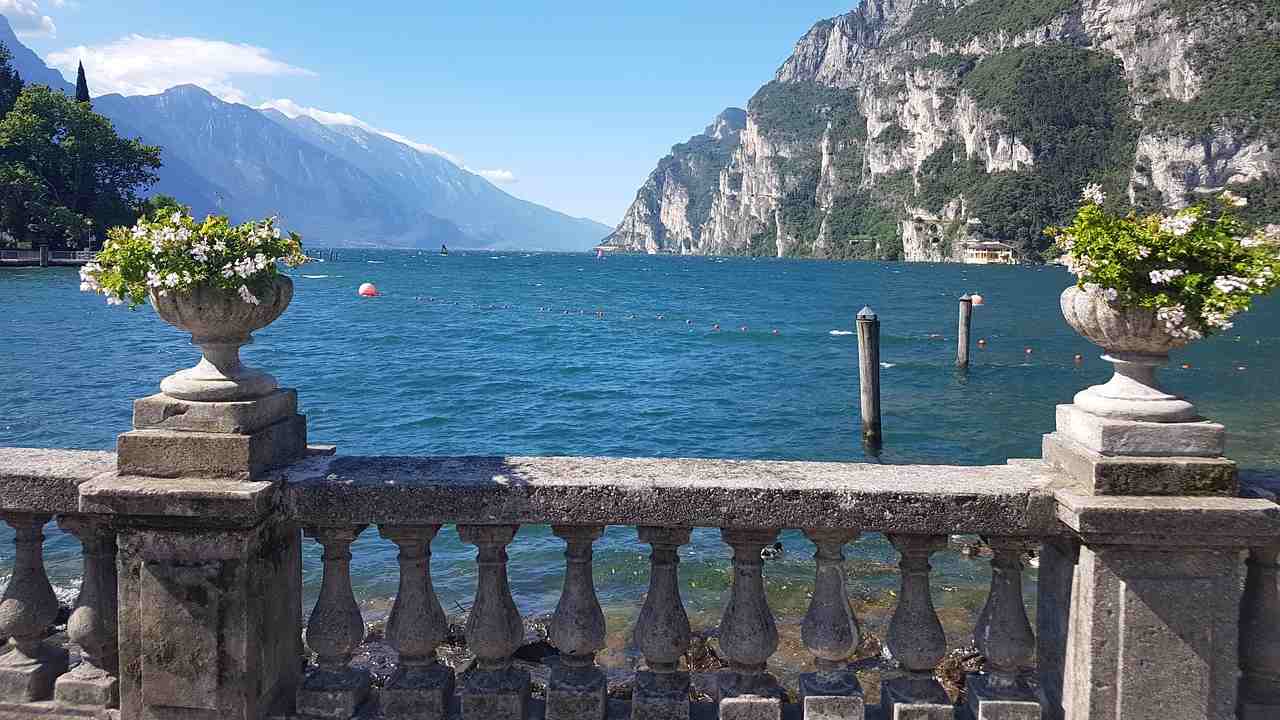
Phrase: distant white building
[988,252]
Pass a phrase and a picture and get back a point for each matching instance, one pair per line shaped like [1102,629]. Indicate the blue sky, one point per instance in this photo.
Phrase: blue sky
[569,104]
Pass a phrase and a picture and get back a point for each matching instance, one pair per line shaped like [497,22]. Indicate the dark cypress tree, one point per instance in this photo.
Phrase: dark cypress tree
[10,83]
[82,86]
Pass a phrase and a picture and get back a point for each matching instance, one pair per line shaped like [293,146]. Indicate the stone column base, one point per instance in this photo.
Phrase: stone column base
[660,696]
[1140,475]
[181,453]
[418,693]
[577,694]
[915,697]
[333,695]
[983,703]
[832,696]
[496,695]
[87,686]
[28,678]
[750,707]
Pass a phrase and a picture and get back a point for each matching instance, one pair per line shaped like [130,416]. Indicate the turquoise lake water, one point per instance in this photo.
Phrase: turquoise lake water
[480,353]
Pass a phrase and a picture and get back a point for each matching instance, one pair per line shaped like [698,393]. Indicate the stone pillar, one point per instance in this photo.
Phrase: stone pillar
[1260,636]
[915,639]
[420,688]
[662,632]
[27,609]
[748,634]
[335,630]
[830,632]
[494,690]
[1004,637]
[210,617]
[92,626]
[578,689]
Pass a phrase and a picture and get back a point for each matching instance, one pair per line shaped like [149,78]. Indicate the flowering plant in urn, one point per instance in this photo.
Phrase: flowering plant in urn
[1148,284]
[215,280]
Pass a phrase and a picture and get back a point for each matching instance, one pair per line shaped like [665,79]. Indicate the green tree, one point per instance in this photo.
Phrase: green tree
[66,172]
[82,86]
[10,83]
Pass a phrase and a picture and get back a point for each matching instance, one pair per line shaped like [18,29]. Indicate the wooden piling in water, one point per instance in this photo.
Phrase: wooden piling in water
[869,376]
[962,334]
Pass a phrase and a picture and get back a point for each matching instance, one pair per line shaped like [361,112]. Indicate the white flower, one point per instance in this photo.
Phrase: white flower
[86,287]
[1093,194]
[1144,252]
[1230,283]
[172,279]
[247,296]
[1161,277]
[175,218]
[1233,199]
[1216,319]
[1178,225]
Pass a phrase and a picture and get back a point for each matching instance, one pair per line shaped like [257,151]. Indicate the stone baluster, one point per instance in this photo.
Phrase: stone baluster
[916,640]
[93,623]
[578,689]
[830,631]
[1260,636]
[748,635]
[1003,635]
[662,632]
[27,609]
[335,630]
[494,690]
[420,688]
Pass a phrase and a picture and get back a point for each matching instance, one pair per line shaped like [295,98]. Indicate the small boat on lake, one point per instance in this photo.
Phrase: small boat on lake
[444,249]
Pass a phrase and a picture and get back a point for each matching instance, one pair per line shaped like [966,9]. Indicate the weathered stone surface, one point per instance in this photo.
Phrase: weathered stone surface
[334,695]
[1108,475]
[215,502]
[1144,618]
[30,676]
[750,707]
[418,693]
[920,711]
[161,412]
[986,703]
[828,707]
[577,695]
[1134,438]
[496,695]
[660,696]
[915,691]
[1170,521]
[39,480]
[208,619]
[174,453]
[1005,499]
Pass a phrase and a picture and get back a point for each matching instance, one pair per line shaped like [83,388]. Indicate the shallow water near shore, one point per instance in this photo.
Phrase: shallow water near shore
[504,353]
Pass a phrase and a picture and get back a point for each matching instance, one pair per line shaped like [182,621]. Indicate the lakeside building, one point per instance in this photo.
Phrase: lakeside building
[988,252]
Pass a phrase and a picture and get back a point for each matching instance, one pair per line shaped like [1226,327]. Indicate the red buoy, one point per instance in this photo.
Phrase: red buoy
[368,290]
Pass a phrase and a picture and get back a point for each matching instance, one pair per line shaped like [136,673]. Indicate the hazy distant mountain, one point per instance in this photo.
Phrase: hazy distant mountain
[334,184]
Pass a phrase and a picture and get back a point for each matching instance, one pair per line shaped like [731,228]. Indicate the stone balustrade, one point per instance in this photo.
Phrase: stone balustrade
[200,614]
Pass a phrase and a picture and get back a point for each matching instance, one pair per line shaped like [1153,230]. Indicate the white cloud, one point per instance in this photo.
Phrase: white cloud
[27,19]
[140,65]
[499,176]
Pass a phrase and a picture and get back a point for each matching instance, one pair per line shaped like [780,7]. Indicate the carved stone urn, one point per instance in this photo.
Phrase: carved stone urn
[1136,343]
[220,323]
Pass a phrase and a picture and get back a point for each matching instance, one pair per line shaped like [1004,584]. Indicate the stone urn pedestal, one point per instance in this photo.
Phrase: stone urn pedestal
[219,419]
[1128,436]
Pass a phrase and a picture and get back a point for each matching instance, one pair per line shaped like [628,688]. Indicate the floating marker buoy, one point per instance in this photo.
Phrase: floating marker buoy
[982,342]
[368,290]
[775,331]
[742,329]
[1079,358]
[715,328]
[1186,366]
[1028,351]
[977,299]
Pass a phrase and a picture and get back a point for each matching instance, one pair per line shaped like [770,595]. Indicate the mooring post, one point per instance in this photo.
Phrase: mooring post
[962,335]
[869,375]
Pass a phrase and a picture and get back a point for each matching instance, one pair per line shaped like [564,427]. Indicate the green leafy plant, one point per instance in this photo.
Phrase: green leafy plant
[171,252]
[1197,268]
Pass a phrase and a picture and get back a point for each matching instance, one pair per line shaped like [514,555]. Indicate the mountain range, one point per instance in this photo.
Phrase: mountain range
[336,185]
[908,129]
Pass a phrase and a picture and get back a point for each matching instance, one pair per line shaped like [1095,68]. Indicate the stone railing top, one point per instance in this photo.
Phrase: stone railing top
[48,481]
[1008,499]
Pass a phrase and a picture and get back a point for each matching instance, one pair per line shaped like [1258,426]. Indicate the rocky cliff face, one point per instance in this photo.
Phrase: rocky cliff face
[907,127]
